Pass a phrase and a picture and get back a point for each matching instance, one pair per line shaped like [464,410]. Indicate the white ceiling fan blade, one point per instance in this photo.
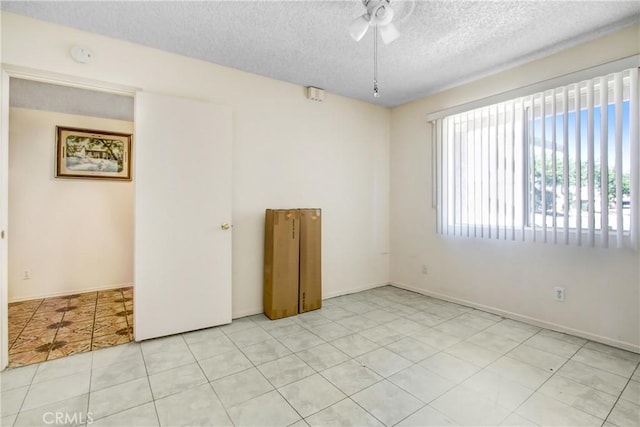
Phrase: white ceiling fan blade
[388,33]
[359,27]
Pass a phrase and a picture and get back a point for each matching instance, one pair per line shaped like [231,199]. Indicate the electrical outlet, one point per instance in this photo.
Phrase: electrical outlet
[558,293]
[424,269]
[26,275]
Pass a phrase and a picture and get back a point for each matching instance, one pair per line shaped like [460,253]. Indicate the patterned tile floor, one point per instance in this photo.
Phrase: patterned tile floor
[46,329]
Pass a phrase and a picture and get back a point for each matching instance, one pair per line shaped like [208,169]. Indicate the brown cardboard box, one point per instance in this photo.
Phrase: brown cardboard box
[281,263]
[310,290]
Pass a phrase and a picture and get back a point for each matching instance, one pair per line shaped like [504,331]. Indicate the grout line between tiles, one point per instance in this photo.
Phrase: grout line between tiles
[207,378]
[264,376]
[89,390]
[620,395]
[545,381]
[33,313]
[144,362]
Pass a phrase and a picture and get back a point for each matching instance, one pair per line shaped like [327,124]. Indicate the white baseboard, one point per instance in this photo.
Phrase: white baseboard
[259,310]
[245,313]
[526,319]
[71,292]
[353,290]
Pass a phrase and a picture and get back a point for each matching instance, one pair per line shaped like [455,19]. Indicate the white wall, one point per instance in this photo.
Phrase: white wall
[73,235]
[287,151]
[510,277]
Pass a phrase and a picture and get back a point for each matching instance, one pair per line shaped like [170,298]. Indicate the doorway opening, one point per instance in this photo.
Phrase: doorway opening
[70,247]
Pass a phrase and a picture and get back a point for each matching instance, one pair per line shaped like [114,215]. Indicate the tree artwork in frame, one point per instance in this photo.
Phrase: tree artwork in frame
[86,153]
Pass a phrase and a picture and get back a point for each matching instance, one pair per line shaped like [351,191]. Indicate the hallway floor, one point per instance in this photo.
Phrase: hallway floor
[50,328]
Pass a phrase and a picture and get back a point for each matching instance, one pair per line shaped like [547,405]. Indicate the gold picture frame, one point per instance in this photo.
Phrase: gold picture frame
[94,154]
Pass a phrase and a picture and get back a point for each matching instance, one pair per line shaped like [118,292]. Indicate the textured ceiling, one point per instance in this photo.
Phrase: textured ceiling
[443,43]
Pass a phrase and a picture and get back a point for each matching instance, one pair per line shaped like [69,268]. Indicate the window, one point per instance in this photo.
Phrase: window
[557,166]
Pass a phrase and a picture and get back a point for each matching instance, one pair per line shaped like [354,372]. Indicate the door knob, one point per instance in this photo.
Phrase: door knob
[225,226]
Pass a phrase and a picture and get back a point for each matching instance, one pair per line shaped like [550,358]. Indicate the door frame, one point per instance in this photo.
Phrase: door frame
[7,72]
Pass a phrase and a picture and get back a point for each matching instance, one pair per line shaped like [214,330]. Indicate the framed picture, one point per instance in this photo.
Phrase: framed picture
[86,153]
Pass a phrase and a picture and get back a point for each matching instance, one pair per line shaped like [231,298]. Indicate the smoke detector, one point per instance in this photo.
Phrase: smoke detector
[81,54]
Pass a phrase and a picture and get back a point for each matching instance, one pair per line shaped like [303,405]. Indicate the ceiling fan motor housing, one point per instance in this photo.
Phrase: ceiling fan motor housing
[379,11]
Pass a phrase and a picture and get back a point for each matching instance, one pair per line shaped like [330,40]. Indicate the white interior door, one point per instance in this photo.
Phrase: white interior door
[182,278]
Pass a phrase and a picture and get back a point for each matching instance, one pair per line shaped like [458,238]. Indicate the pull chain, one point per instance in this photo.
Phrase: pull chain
[376,93]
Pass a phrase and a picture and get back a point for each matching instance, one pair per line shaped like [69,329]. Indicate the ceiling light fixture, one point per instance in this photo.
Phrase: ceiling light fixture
[379,15]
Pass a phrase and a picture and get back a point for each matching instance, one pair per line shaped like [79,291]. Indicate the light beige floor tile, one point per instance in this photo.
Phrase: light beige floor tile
[613,351]
[450,367]
[57,390]
[354,345]
[351,377]
[176,380]
[579,396]
[520,372]
[553,345]
[538,358]
[548,411]
[632,392]
[343,413]
[286,370]
[606,361]
[383,362]
[511,330]
[499,390]
[468,407]
[323,356]
[248,337]
[412,349]
[382,334]
[140,416]
[625,413]
[330,331]
[269,409]
[76,407]
[387,402]
[224,364]
[563,337]
[11,400]
[593,377]
[301,341]
[311,395]
[473,353]
[515,420]
[238,325]
[195,407]
[213,346]
[119,397]
[421,383]
[117,373]
[493,342]
[425,417]
[237,388]
[436,339]
[17,377]
[265,351]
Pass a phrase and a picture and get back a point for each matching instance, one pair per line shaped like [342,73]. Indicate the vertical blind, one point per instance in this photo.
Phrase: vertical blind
[556,166]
